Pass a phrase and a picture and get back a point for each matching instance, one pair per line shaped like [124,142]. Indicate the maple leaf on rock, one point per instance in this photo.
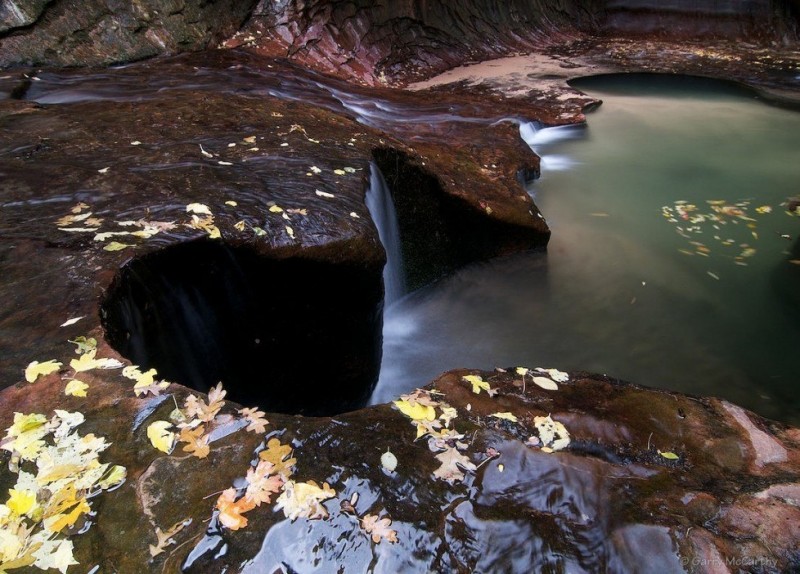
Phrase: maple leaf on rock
[452,463]
[258,423]
[231,509]
[378,528]
[196,441]
[199,409]
[262,483]
[304,499]
[280,456]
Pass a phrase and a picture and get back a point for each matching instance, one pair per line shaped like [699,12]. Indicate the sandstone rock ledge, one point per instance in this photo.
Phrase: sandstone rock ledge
[615,498]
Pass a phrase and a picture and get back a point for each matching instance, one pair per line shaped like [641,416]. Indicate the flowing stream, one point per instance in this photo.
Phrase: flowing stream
[673,262]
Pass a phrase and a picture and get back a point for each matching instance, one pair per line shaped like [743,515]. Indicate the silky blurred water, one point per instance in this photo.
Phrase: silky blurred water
[709,307]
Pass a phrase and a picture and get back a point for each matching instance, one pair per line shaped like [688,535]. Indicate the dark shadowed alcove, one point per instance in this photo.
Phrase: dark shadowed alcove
[289,335]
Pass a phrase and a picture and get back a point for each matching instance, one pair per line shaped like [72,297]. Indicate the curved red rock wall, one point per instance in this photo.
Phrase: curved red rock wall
[367,39]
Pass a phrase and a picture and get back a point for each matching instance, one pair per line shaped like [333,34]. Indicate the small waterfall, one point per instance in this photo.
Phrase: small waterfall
[381,208]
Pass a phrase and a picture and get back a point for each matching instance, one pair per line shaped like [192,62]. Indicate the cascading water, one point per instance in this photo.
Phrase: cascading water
[381,208]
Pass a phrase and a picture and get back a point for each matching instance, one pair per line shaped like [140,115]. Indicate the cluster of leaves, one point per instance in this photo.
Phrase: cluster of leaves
[193,424]
[728,224]
[552,435]
[421,407]
[270,476]
[58,472]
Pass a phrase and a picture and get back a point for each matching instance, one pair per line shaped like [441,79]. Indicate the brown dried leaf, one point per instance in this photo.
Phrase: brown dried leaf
[452,463]
[378,528]
[279,455]
[196,441]
[258,423]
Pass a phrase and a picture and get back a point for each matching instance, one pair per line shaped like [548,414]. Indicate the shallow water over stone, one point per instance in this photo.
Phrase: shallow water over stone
[710,308]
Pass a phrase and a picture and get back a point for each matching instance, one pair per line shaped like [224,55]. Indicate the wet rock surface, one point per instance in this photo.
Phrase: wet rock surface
[650,482]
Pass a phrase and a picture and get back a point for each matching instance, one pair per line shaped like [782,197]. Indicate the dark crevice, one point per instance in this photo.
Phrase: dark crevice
[441,232]
[289,335]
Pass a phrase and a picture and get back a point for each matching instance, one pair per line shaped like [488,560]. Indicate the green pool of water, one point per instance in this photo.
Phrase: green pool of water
[672,263]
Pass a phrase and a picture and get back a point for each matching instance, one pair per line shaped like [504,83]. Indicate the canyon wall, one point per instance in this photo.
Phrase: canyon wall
[366,39]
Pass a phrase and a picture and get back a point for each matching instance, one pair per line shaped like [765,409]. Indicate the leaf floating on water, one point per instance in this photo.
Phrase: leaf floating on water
[204,152]
[259,232]
[290,231]
[378,528]
[276,209]
[249,139]
[324,194]
[224,163]
[76,388]
[161,437]
[136,142]
[669,455]
[231,203]
[339,172]
[505,416]
[104,170]
[35,369]
[315,169]
[72,321]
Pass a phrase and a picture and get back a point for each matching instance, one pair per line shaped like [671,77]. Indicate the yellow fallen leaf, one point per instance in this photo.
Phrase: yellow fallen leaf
[231,203]
[58,522]
[478,384]
[87,362]
[113,477]
[505,416]
[304,499]
[545,383]
[20,501]
[160,437]
[115,246]
[36,369]
[231,509]
[76,388]
[276,209]
[416,411]
[669,455]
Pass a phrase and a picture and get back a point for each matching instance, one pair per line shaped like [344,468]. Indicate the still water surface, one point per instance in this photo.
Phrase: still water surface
[666,266]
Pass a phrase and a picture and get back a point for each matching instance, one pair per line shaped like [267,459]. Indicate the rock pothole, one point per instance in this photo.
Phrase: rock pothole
[291,335]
